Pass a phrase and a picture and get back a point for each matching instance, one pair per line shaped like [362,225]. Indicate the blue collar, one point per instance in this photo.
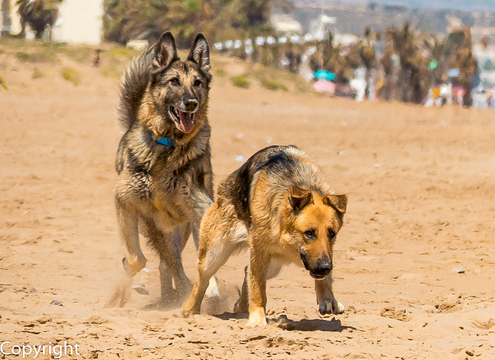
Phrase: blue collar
[164,140]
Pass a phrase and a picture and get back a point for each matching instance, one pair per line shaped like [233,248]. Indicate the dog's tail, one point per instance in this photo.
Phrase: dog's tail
[133,85]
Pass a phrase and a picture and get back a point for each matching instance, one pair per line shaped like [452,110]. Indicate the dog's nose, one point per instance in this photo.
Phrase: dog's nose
[323,268]
[191,104]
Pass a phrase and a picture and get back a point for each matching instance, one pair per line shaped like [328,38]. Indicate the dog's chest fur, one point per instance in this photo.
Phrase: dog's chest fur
[155,175]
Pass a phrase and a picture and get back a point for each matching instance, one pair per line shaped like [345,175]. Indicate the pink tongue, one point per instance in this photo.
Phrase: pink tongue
[186,121]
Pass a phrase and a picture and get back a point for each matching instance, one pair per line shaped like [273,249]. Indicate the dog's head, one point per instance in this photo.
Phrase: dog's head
[316,220]
[178,90]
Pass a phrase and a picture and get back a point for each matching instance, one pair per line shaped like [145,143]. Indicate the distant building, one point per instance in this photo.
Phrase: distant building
[78,22]
[285,24]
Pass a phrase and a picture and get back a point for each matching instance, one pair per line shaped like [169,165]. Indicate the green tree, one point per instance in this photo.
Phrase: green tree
[217,19]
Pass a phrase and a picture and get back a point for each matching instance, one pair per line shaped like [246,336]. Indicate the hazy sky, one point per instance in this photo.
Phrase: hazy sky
[466,5]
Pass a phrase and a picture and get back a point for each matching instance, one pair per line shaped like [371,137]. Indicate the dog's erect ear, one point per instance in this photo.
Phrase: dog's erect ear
[299,198]
[165,51]
[338,202]
[200,53]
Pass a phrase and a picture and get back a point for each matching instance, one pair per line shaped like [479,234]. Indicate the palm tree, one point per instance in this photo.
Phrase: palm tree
[40,15]
[368,56]
[387,65]
[413,68]
[463,59]
[439,52]
[339,59]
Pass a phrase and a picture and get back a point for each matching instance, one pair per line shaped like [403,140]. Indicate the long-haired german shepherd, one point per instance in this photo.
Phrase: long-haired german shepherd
[165,180]
[279,205]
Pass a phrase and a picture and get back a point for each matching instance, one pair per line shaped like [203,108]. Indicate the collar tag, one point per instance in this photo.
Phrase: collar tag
[164,141]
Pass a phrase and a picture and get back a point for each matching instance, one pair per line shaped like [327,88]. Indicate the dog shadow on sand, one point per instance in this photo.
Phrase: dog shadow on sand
[330,325]
[215,306]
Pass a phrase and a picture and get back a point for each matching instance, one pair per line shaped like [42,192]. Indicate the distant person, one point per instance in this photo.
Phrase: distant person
[489,97]
[96,61]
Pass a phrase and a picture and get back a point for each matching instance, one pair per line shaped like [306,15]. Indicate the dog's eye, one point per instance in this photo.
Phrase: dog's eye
[175,81]
[310,234]
[331,234]
[198,83]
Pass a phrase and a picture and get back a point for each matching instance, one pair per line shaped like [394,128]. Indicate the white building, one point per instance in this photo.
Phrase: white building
[80,21]
[285,24]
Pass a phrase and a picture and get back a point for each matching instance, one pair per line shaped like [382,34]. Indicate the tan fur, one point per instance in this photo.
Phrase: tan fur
[278,206]
[163,191]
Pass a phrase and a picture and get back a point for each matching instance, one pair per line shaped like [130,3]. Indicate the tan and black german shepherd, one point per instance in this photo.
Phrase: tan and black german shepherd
[163,161]
[280,207]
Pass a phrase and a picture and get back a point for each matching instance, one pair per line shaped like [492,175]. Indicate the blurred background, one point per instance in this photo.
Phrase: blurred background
[425,52]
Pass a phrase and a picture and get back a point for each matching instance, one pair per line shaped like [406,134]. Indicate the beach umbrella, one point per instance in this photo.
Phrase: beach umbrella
[324,74]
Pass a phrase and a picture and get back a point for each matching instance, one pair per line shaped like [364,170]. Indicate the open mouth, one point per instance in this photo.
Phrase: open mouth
[184,119]
[317,276]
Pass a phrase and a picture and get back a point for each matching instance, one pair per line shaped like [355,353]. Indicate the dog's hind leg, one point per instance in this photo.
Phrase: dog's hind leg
[166,283]
[327,304]
[214,257]
[184,232]
[171,253]
[221,235]
[169,248]
[180,236]
[134,261]
[212,290]
[202,203]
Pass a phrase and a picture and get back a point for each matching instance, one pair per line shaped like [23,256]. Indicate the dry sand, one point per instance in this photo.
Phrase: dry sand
[414,263]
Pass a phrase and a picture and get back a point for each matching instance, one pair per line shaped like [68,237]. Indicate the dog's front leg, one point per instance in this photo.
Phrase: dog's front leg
[134,261]
[258,269]
[327,304]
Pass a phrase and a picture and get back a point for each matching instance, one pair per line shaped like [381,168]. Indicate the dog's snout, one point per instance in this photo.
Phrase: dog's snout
[323,268]
[305,261]
[191,104]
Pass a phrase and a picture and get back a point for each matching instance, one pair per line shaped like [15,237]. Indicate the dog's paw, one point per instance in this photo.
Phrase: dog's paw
[331,307]
[256,318]
[189,310]
[133,265]
[256,323]
[212,290]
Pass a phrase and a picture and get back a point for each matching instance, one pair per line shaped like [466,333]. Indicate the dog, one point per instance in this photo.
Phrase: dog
[165,178]
[279,206]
